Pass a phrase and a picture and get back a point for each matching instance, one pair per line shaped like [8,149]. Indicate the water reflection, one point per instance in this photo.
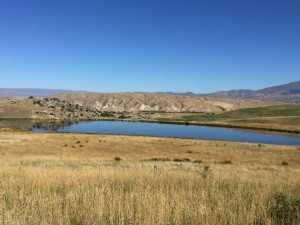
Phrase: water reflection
[46,125]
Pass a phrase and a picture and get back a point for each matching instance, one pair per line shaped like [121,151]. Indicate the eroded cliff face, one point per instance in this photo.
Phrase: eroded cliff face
[84,106]
[134,102]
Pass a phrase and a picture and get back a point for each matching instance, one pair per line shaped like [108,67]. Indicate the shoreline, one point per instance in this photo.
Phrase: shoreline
[269,130]
[51,126]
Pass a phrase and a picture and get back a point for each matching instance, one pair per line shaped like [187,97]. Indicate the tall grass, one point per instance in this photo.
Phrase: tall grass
[145,180]
[33,195]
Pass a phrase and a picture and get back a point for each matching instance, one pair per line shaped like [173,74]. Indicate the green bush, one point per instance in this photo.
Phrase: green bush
[285,211]
[107,114]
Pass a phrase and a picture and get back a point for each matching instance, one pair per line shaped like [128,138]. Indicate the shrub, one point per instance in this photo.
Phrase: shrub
[182,160]
[226,162]
[106,114]
[123,117]
[206,171]
[285,211]
[118,159]
[160,159]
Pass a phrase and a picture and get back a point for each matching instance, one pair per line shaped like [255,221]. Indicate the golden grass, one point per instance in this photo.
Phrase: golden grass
[50,179]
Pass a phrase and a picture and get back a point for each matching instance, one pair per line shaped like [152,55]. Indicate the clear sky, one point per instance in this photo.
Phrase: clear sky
[149,45]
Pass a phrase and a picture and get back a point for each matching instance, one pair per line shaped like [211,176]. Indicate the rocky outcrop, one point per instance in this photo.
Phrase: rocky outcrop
[45,108]
[57,108]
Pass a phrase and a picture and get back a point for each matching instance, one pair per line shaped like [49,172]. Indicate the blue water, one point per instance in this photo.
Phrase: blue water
[171,130]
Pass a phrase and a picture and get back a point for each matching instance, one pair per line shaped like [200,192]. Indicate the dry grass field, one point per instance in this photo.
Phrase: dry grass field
[109,179]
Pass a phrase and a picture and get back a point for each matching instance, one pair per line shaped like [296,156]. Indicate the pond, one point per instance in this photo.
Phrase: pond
[171,130]
[153,129]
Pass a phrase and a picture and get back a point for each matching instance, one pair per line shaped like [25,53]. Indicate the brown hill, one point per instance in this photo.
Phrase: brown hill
[134,102]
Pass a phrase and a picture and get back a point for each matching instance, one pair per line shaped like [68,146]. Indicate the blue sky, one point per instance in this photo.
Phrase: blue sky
[149,45]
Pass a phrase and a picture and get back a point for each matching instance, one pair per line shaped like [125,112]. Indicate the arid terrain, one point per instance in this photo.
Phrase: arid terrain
[137,102]
[44,108]
[55,112]
[108,179]
[149,112]
[280,93]
[90,106]
[55,178]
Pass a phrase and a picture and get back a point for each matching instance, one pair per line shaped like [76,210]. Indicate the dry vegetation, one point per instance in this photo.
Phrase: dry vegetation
[108,179]
[137,102]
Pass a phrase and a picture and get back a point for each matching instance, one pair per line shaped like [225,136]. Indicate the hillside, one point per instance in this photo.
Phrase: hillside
[135,102]
[283,118]
[281,93]
[44,108]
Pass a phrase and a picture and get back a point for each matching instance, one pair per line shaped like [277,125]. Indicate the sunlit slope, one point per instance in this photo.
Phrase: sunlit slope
[281,117]
[134,102]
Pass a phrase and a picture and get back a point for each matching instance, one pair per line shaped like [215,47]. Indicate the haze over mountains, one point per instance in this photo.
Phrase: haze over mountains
[35,92]
[281,93]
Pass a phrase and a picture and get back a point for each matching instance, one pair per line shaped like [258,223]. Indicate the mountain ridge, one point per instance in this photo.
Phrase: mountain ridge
[281,93]
[35,92]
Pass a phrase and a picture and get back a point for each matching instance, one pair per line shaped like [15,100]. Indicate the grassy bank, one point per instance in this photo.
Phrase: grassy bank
[106,179]
[283,118]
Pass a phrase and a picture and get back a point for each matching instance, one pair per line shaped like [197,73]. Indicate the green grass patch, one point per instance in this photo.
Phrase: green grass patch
[270,111]
[203,118]
[292,121]
[280,115]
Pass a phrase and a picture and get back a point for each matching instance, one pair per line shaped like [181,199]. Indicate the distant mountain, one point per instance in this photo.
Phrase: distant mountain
[286,89]
[35,92]
[178,93]
[281,93]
